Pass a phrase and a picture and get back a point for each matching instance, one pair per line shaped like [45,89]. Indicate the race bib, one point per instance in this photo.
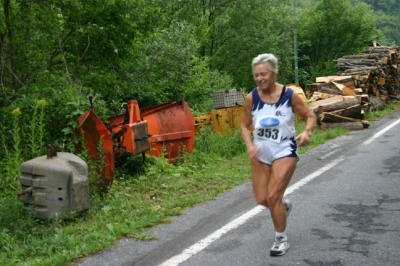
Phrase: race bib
[269,128]
[270,134]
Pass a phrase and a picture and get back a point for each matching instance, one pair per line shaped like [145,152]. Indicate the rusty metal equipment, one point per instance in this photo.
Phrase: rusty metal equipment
[129,132]
[172,129]
[163,130]
[95,137]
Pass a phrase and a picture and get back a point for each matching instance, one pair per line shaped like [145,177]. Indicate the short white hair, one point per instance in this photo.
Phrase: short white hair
[264,58]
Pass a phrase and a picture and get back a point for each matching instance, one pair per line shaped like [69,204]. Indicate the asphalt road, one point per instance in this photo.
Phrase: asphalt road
[346,211]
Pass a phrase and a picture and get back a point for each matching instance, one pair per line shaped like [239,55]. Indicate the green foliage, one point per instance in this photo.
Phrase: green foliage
[233,32]
[201,82]
[226,146]
[162,64]
[24,141]
[12,155]
[388,11]
[329,29]
[36,128]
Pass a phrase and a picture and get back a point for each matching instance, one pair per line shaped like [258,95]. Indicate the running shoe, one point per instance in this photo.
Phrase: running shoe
[288,206]
[281,245]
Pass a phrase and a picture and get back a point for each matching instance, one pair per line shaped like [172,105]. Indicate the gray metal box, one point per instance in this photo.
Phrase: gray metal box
[228,98]
[53,187]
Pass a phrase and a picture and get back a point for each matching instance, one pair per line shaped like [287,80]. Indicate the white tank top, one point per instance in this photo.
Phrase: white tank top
[273,122]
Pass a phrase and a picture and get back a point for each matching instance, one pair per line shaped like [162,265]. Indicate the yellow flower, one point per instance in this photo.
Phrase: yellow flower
[41,102]
[16,111]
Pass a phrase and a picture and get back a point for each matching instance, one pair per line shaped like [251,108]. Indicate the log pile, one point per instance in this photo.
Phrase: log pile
[375,70]
[365,82]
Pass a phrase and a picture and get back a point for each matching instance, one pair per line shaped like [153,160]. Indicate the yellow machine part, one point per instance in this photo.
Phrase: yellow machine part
[225,119]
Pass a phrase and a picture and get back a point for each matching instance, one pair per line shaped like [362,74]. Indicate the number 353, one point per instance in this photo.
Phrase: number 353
[272,133]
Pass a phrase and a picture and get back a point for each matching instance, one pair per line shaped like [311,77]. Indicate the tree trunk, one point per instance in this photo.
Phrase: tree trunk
[330,90]
[354,111]
[352,126]
[377,103]
[10,51]
[337,105]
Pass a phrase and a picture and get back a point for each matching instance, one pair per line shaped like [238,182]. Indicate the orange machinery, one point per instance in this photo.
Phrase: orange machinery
[172,129]
[164,130]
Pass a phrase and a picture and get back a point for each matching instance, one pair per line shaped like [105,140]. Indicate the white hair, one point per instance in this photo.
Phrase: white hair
[263,58]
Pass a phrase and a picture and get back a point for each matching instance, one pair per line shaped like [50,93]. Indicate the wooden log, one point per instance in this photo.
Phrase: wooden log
[314,105]
[363,56]
[358,90]
[381,81]
[319,96]
[365,123]
[373,89]
[363,62]
[379,49]
[311,88]
[354,111]
[347,81]
[360,69]
[334,118]
[364,98]
[298,90]
[337,105]
[353,73]
[346,91]
[376,103]
[330,90]
[351,126]
[394,97]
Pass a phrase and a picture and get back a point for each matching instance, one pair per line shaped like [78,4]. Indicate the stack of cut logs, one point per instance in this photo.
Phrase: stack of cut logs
[365,82]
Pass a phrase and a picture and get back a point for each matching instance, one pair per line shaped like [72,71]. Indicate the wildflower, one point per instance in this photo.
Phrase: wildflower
[16,111]
[41,102]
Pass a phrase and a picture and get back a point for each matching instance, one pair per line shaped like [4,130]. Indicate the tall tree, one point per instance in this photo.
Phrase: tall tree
[388,12]
[329,29]
[232,32]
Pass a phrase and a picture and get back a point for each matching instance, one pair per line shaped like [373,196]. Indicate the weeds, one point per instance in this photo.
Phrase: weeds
[36,130]
[227,145]
[26,143]
[13,155]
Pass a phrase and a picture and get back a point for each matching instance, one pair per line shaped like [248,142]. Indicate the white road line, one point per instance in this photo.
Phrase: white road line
[312,176]
[205,242]
[380,133]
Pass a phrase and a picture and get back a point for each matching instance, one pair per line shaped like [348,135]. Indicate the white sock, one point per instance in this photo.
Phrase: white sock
[280,234]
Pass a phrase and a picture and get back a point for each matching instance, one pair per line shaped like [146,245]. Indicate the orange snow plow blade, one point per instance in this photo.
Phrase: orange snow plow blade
[172,128]
[165,130]
[96,136]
